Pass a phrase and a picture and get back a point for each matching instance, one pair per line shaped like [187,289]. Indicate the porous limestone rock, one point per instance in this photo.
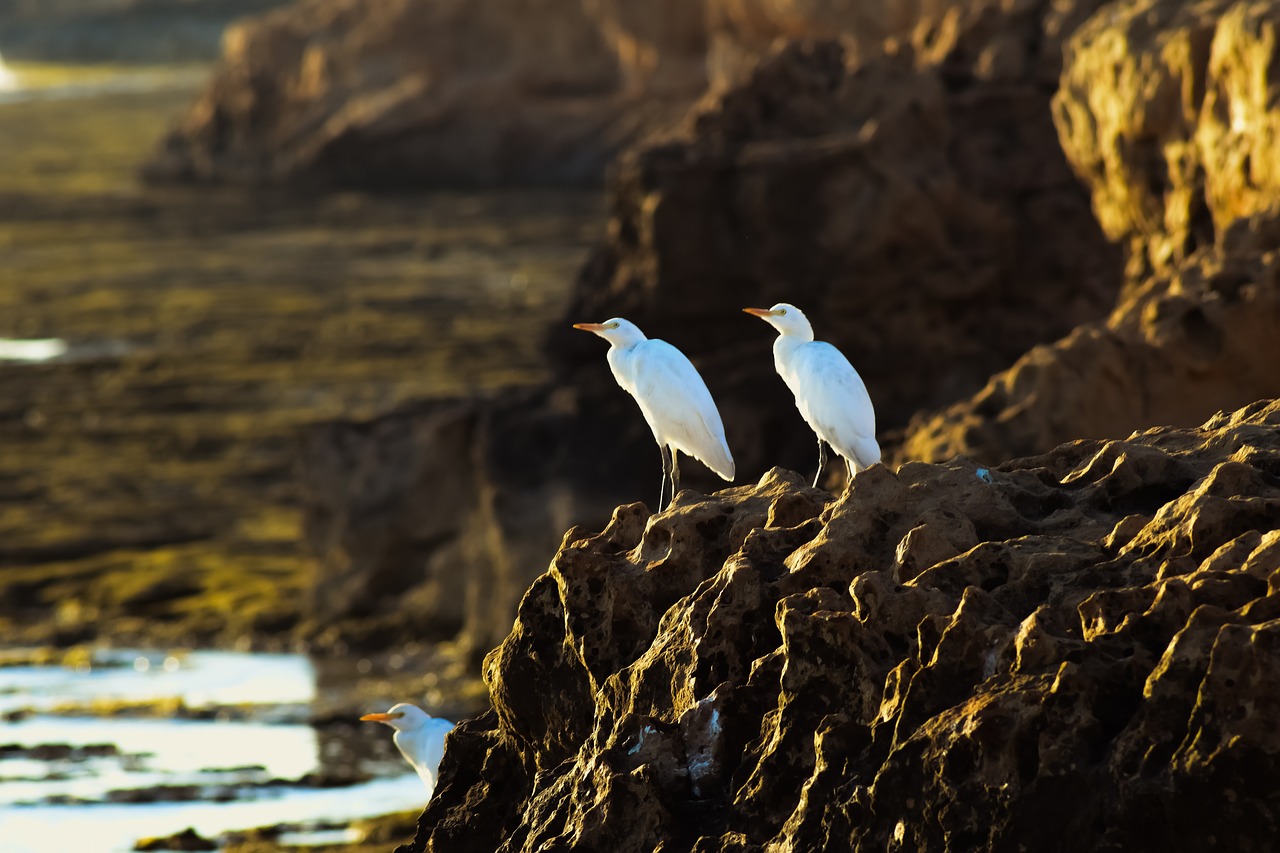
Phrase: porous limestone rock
[1076,651]
[1167,109]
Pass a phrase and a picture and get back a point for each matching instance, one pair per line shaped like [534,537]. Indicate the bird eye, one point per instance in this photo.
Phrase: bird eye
[782,311]
[613,325]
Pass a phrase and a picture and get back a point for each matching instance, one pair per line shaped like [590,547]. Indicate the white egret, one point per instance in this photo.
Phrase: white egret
[672,396]
[419,737]
[829,393]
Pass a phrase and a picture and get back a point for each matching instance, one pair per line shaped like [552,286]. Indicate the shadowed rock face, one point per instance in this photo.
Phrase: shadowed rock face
[915,202]
[1204,333]
[401,93]
[925,220]
[396,93]
[1074,651]
[123,31]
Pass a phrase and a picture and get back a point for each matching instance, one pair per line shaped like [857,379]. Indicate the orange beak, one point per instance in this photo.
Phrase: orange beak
[590,327]
[759,312]
[381,718]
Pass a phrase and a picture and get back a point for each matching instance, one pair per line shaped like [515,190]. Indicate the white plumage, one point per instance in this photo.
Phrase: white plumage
[829,393]
[672,396]
[419,737]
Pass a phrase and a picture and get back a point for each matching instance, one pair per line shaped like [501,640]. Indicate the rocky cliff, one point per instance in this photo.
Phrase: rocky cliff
[914,199]
[1168,112]
[401,93]
[1072,651]
[397,93]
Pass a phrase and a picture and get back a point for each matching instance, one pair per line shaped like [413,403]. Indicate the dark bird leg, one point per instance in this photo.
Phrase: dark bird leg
[666,466]
[822,462]
[852,469]
[675,474]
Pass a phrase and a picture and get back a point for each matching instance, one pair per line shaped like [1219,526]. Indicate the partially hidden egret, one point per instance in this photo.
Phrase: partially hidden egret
[419,737]
[829,393]
[674,399]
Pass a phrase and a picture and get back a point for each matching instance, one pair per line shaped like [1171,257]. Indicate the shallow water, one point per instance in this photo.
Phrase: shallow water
[40,81]
[166,353]
[235,771]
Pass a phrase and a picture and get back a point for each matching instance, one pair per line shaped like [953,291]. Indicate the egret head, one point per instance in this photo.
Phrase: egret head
[617,331]
[786,318]
[402,717]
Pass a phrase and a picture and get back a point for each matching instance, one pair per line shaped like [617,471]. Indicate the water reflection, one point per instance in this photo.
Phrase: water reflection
[105,781]
[31,349]
[197,680]
[8,80]
[44,81]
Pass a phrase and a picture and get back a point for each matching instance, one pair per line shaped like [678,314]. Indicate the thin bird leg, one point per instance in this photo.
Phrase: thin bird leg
[822,462]
[849,466]
[675,474]
[666,468]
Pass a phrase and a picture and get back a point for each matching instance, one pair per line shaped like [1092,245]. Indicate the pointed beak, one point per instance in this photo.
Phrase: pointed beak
[758,312]
[591,327]
[381,718]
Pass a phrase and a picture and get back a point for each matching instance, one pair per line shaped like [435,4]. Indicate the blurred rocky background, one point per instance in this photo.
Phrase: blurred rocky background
[131,31]
[1026,221]
[309,283]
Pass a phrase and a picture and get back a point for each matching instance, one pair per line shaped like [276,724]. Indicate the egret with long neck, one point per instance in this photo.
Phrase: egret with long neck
[829,393]
[673,398]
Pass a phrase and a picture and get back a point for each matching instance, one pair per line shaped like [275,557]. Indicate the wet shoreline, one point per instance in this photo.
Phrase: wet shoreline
[149,477]
[122,744]
[150,512]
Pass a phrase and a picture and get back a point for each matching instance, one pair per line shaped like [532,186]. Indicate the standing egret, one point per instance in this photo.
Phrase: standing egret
[829,392]
[674,399]
[419,737]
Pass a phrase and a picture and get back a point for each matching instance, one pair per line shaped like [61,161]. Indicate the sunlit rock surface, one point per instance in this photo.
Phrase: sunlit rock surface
[1069,652]
[1201,334]
[1168,111]
[924,219]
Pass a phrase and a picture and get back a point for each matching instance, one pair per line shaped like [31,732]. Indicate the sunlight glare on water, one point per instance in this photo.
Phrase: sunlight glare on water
[8,80]
[241,772]
[199,679]
[35,349]
[34,81]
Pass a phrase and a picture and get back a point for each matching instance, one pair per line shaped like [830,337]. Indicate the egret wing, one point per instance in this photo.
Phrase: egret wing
[678,405]
[834,401]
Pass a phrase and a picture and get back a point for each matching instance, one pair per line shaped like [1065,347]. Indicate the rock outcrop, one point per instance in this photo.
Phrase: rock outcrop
[924,218]
[1202,334]
[914,200]
[430,522]
[119,31]
[1168,111]
[396,93]
[400,93]
[1073,651]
